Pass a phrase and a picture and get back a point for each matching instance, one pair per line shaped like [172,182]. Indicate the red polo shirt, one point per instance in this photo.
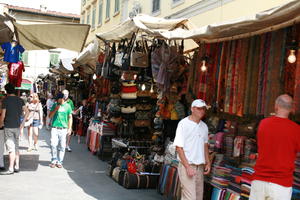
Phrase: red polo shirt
[278,141]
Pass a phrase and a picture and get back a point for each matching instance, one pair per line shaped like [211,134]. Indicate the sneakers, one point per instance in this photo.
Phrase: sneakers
[8,172]
[29,149]
[52,165]
[68,149]
[17,170]
[35,147]
[58,165]
[2,168]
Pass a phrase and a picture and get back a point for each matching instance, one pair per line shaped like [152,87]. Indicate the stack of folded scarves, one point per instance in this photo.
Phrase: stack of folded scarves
[296,184]
[218,194]
[220,176]
[229,195]
[229,143]
[246,180]
[235,180]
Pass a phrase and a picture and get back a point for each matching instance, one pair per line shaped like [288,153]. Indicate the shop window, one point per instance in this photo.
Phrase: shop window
[25,58]
[100,12]
[117,6]
[155,6]
[177,3]
[54,58]
[107,9]
[93,17]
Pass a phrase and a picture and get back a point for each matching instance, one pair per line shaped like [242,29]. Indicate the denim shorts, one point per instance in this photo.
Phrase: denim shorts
[35,123]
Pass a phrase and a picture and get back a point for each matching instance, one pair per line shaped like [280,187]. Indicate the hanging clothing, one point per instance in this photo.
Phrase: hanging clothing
[15,71]
[12,54]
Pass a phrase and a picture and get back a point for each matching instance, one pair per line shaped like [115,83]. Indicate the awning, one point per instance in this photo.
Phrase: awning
[148,24]
[6,29]
[38,35]
[25,85]
[266,21]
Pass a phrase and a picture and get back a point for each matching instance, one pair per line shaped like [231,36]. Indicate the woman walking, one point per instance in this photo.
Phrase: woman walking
[35,118]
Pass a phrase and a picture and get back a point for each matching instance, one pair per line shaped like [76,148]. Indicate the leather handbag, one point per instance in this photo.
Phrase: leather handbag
[132,95]
[139,55]
[143,106]
[128,84]
[142,123]
[129,89]
[128,109]
[119,54]
[115,173]
[145,93]
[142,115]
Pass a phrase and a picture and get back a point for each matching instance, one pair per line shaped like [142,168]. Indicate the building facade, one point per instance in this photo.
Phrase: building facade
[37,62]
[102,15]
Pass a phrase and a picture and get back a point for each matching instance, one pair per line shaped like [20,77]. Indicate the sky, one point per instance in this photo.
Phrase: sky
[65,6]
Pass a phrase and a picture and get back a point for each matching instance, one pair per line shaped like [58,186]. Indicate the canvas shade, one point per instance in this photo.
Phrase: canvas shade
[38,35]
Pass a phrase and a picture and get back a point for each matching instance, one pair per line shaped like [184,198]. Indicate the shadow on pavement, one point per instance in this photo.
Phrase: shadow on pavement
[28,162]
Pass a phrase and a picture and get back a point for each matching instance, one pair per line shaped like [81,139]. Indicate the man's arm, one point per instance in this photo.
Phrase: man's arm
[3,112]
[51,114]
[70,124]
[189,170]
[207,160]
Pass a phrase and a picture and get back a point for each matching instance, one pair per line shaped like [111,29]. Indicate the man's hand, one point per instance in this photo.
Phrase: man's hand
[69,131]
[207,168]
[190,171]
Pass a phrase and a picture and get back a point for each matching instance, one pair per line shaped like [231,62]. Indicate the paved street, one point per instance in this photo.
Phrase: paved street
[83,177]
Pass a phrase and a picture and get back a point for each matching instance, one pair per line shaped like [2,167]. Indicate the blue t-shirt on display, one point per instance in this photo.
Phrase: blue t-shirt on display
[12,54]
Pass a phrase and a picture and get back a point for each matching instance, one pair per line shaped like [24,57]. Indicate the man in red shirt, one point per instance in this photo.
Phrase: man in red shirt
[278,143]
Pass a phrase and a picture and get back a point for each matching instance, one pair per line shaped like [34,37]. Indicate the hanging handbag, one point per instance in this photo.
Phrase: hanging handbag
[119,54]
[139,54]
[127,52]
[128,109]
[142,123]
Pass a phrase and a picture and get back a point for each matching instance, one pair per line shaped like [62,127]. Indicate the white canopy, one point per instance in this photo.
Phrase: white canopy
[37,35]
[269,20]
[6,29]
[148,24]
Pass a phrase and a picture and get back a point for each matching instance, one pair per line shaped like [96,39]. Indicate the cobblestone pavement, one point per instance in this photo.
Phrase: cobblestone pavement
[83,177]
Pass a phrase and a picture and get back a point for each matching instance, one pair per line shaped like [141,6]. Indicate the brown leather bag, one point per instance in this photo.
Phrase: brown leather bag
[142,123]
[139,55]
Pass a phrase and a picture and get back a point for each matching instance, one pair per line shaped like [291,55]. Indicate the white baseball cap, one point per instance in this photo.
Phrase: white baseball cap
[199,103]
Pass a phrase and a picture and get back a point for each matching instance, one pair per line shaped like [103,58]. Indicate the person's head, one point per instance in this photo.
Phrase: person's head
[284,105]
[24,94]
[60,98]
[198,108]
[84,102]
[10,88]
[50,96]
[34,98]
[66,94]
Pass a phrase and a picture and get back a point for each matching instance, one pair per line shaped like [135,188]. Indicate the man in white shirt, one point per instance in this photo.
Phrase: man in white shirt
[191,143]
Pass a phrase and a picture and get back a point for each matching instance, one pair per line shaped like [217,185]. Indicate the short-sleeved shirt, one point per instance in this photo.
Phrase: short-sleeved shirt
[278,141]
[12,54]
[49,104]
[70,102]
[14,109]
[192,138]
[61,117]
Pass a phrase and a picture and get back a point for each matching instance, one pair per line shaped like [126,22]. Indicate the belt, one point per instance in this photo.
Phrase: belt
[59,128]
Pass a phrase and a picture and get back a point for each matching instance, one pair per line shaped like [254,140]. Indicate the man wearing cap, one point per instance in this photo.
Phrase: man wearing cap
[61,113]
[191,143]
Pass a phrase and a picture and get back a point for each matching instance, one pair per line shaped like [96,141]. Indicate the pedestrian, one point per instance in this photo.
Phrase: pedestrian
[49,104]
[81,112]
[12,107]
[278,140]
[70,102]
[35,119]
[191,143]
[2,168]
[61,114]
[25,99]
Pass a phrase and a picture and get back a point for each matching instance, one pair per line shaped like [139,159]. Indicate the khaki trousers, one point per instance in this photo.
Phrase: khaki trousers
[191,187]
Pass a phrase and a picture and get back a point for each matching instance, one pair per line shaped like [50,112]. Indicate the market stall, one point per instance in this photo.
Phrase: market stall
[144,84]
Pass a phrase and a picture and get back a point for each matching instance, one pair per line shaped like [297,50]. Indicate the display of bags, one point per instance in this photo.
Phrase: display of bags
[143,115]
[132,95]
[143,106]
